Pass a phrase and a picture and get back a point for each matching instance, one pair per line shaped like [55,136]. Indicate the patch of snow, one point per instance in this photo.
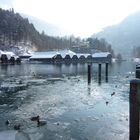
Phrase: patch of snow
[101,54]
[82,54]
[50,54]
[136,60]
[12,87]
[7,135]
[113,60]
[63,53]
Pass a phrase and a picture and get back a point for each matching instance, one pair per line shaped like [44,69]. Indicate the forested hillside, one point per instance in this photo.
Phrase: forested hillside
[16,31]
[124,36]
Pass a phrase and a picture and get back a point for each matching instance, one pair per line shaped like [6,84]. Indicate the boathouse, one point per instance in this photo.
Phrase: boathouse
[74,58]
[67,56]
[58,58]
[9,58]
[89,58]
[102,57]
[43,56]
[82,57]
[53,56]
[25,56]
[4,58]
[12,60]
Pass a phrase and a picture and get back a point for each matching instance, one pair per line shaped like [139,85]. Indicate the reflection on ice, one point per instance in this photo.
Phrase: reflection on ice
[7,135]
[6,87]
[20,135]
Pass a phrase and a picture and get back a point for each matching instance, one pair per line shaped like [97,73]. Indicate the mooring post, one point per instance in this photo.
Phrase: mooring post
[134,101]
[137,71]
[89,74]
[99,72]
[106,72]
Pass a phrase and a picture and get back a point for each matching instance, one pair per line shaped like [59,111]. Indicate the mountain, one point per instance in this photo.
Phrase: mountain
[49,29]
[123,36]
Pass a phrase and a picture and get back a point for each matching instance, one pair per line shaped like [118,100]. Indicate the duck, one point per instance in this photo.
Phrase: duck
[106,102]
[127,76]
[113,94]
[35,118]
[17,127]
[41,123]
[7,122]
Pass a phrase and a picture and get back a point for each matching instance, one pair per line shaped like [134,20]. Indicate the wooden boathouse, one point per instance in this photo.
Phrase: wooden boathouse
[67,56]
[9,58]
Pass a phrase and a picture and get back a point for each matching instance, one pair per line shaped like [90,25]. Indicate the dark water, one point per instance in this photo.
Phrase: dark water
[61,96]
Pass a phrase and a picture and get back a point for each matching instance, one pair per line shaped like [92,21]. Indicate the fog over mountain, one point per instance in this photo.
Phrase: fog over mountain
[48,28]
[124,36]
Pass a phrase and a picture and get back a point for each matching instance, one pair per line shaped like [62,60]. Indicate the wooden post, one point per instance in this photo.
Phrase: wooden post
[99,72]
[137,66]
[106,72]
[89,74]
[137,71]
[134,101]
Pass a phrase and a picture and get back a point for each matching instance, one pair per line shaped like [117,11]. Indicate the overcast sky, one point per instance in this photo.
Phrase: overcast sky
[80,17]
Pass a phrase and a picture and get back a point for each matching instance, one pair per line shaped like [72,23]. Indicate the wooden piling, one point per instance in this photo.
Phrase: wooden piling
[137,66]
[134,101]
[89,74]
[99,72]
[106,72]
[137,71]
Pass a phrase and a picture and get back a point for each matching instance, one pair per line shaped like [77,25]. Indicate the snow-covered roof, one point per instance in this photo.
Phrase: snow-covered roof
[101,54]
[82,54]
[1,52]
[63,53]
[49,54]
[8,54]
[26,54]
[15,57]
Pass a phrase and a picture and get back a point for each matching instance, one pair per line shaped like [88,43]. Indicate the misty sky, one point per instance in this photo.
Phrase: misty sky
[80,17]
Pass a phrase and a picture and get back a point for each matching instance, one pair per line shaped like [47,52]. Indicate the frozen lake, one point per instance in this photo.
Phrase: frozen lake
[60,94]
